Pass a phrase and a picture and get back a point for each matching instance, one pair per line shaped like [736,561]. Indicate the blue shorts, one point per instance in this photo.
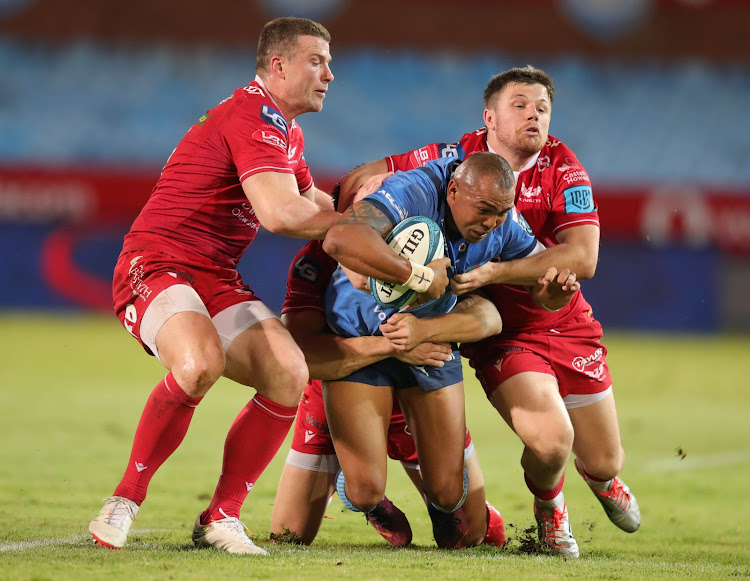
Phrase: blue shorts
[399,375]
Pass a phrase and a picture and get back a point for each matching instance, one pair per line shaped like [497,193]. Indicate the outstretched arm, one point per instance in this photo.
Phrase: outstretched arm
[473,319]
[577,252]
[355,179]
[331,357]
[281,208]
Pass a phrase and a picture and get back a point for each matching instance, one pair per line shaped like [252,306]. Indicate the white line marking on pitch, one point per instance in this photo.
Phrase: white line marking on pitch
[27,545]
[692,462]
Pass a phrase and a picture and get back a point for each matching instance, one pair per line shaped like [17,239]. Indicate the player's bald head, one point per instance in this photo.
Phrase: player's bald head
[485,166]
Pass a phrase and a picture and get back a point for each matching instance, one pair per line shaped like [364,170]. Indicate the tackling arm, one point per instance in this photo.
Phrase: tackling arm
[331,357]
[320,198]
[281,209]
[473,319]
[354,180]
[577,252]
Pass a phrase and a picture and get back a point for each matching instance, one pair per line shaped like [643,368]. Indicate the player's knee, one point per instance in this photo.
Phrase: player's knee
[606,464]
[552,452]
[197,372]
[290,381]
[366,492]
[445,493]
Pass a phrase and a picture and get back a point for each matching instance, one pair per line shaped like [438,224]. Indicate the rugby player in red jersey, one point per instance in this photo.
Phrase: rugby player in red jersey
[307,481]
[546,373]
[177,291]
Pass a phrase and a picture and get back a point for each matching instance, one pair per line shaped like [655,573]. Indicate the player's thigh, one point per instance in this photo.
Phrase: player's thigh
[530,403]
[597,436]
[301,502]
[437,422]
[358,419]
[265,356]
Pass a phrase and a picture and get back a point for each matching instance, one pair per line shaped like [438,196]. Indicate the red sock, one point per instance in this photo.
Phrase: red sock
[544,494]
[252,441]
[163,425]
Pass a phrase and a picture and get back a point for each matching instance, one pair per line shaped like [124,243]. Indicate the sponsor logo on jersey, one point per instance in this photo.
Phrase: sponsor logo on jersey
[272,116]
[568,165]
[543,162]
[133,262]
[291,152]
[203,118]
[422,156]
[576,176]
[553,142]
[530,194]
[593,365]
[270,138]
[578,200]
[573,172]
[322,426]
[448,150]
[248,220]
[140,467]
[392,202]
[253,90]
[306,268]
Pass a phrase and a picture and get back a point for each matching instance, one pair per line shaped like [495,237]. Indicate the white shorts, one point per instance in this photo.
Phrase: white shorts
[182,298]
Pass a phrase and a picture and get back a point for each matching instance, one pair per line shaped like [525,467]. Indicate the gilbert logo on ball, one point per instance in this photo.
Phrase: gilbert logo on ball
[417,239]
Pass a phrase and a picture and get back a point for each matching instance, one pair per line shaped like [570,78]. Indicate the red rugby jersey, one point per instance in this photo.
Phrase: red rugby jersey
[198,205]
[552,193]
[309,275]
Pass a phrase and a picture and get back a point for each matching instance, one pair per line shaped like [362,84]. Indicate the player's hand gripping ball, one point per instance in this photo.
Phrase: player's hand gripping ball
[417,239]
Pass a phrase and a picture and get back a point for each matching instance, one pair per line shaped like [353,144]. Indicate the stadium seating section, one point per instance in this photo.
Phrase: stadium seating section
[117,105]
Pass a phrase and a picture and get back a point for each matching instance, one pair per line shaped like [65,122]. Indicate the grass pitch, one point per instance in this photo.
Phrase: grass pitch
[73,388]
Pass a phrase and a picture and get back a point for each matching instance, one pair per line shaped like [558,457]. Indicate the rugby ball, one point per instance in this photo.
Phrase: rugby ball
[418,239]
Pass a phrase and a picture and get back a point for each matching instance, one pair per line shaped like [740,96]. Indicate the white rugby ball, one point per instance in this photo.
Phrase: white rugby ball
[418,239]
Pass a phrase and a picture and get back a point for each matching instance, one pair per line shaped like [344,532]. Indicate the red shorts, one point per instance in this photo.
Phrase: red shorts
[140,276]
[572,353]
[311,435]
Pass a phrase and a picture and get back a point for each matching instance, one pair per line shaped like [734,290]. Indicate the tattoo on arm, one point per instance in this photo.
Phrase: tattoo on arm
[363,212]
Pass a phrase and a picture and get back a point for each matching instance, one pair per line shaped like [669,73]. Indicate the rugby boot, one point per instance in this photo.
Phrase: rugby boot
[618,502]
[448,528]
[227,534]
[110,527]
[553,526]
[390,522]
[495,527]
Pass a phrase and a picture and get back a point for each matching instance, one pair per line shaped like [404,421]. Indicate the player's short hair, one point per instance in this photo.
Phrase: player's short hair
[279,37]
[527,75]
[486,162]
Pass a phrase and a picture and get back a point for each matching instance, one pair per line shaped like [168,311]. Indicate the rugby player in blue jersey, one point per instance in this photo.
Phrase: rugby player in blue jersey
[471,201]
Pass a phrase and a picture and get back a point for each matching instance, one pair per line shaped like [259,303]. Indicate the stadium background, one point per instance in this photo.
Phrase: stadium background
[651,94]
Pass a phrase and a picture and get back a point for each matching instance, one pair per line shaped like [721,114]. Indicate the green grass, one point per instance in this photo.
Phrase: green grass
[73,388]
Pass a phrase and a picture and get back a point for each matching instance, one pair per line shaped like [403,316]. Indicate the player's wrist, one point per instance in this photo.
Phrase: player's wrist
[421,277]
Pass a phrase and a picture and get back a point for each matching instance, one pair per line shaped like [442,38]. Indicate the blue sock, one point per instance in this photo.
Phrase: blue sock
[460,502]
[342,493]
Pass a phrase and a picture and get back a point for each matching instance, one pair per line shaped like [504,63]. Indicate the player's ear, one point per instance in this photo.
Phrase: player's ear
[489,119]
[277,66]
[452,189]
